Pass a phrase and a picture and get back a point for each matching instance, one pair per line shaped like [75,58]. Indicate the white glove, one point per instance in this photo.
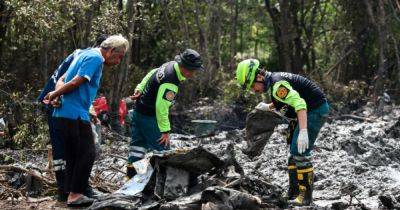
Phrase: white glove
[263,107]
[302,141]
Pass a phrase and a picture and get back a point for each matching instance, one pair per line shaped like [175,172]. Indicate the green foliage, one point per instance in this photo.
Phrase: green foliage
[33,131]
[36,35]
[27,126]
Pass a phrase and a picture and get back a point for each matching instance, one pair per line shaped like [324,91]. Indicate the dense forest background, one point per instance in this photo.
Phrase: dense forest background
[351,48]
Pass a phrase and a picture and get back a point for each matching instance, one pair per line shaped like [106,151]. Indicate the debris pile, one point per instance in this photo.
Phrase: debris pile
[356,159]
[192,179]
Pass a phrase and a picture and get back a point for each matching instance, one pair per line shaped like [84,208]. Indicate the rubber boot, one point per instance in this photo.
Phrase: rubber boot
[305,177]
[130,171]
[293,191]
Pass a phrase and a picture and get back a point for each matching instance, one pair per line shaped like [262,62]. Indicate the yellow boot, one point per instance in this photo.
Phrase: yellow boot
[305,177]
[293,191]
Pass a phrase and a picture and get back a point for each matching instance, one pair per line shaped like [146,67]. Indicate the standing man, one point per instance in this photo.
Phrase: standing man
[296,97]
[57,143]
[154,96]
[78,88]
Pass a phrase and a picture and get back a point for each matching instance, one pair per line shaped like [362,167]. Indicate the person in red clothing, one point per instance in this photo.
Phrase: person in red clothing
[101,108]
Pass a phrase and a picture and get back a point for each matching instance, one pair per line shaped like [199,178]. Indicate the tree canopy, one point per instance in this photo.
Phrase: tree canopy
[334,42]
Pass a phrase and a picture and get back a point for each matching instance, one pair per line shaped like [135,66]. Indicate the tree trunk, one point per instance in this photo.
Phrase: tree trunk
[310,43]
[202,37]
[94,8]
[168,22]
[275,17]
[299,55]
[137,36]
[282,33]
[284,27]
[233,33]
[184,22]
[4,17]
[44,66]
[203,44]
[214,36]
[396,50]
[380,26]
[120,77]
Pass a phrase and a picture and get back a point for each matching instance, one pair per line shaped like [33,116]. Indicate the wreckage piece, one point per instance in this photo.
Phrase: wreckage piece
[117,201]
[176,183]
[178,171]
[215,198]
[173,169]
[229,159]
[170,182]
[259,127]
[137,184]
[197,160]
[270,194]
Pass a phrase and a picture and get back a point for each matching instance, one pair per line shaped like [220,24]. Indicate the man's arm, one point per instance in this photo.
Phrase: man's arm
[140,87]
[142,84]
[60,82]
[63,87]
[302,118]
[283,91]
[165,97]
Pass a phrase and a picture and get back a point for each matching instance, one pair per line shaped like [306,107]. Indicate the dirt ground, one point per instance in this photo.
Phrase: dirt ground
[48,203]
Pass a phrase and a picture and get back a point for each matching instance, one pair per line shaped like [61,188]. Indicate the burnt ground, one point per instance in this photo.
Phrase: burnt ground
[356,159]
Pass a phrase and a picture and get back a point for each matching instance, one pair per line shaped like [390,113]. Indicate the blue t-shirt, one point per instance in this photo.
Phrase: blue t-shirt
[75,104]
[51,83]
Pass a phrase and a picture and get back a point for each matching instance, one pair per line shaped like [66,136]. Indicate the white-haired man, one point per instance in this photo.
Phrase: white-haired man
[78,88]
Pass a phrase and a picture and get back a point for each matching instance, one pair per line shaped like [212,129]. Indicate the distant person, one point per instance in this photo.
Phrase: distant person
[78,88]
[56,141]
[154,96]
[295,97]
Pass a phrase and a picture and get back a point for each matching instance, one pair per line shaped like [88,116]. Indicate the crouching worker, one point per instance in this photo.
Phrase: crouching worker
[295,97]
[154,96]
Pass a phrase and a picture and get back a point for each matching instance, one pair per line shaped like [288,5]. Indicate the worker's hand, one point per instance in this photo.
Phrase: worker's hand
[302,141]
[164,139]
[56,102]
[136,95]
[263,106]
[49,97]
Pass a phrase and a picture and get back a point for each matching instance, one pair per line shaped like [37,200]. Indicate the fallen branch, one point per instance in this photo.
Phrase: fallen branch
[233,183]
[11,191]
[118,156]
[330,70]
[30,172]
[354,117]
[38,200]
[117,169]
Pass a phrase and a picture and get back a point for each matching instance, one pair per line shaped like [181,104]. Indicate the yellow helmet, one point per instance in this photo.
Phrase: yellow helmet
[246,72]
